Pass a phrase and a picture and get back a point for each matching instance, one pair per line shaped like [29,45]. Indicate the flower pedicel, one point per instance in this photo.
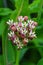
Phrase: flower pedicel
[22,31]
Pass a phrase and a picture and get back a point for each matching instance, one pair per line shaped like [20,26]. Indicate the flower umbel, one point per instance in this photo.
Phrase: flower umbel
[22,31]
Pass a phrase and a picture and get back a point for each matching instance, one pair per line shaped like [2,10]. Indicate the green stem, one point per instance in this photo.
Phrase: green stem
[17,57]
[4,49]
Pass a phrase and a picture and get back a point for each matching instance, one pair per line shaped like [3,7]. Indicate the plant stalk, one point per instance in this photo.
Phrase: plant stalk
[17,57]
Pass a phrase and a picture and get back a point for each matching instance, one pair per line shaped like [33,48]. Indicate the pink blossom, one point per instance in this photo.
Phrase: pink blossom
[20,24]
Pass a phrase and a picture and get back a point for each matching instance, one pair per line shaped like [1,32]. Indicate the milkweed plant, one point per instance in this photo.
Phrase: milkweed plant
[22,31]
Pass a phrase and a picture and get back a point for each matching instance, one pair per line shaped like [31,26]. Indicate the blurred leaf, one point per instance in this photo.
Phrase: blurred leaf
[1,60]
[22,52]
[40,62]
[21,9]
[28,63]
[32,55]
[1,3]
[5,11]
[34,7]
[3,24]
[8,51]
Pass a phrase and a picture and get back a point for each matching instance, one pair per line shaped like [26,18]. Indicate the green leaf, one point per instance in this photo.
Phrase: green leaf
[22,52]
[34,7]
[8,51]
[1,3]
[3,24]
[28,63]
[5,11]
[1,60]
[21,9]
[40,62]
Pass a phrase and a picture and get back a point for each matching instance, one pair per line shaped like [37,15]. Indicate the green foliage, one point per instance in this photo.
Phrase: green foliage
[5,11]
[10,53]
[40,62]
[1,3]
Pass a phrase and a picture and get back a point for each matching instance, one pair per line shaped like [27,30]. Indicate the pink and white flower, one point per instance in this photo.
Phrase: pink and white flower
[22,31]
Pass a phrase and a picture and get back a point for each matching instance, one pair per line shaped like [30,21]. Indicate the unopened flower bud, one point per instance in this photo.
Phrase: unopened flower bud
[25,18]
[25,41]
[35,23]
[13,28]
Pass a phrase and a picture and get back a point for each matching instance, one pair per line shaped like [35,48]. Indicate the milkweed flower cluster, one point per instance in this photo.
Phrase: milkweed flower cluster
[22,31]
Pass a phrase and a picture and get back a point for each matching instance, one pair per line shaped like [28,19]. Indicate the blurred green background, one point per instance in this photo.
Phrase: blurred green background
[33,53]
